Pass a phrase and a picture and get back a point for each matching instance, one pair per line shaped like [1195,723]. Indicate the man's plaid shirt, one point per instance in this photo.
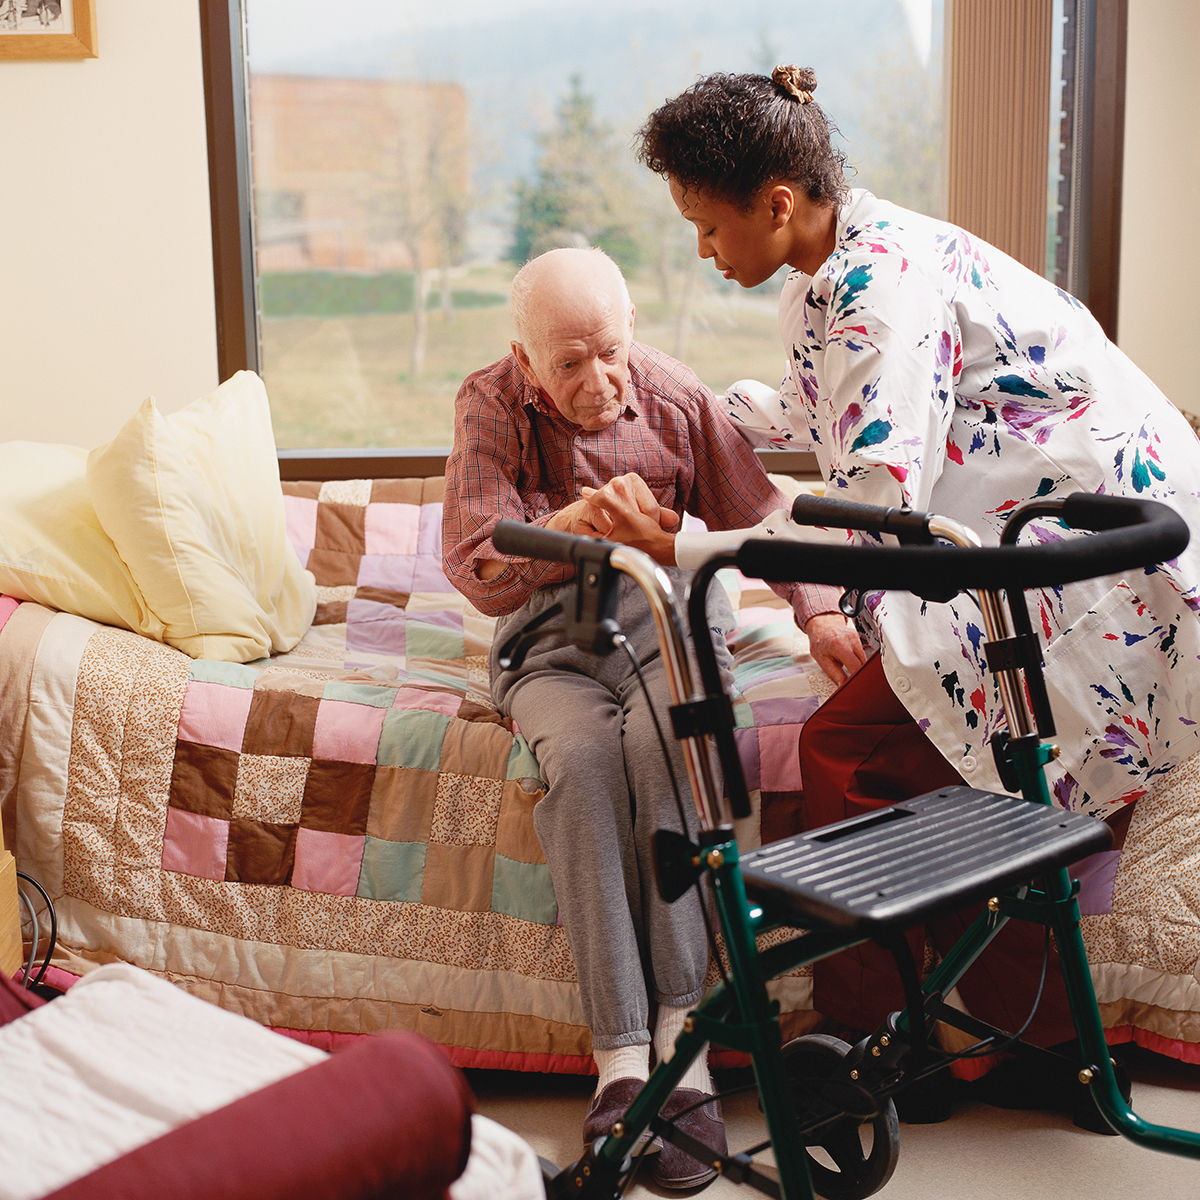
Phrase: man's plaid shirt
[516,458]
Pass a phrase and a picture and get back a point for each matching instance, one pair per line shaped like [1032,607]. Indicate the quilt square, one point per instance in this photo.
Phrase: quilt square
[280,723]
[260,852]
[466,810]
[300,515]
[347,732]
[428,575]
[214,715]
[351,493]
[333,568]
[339,527]
[331,612]
[382,596]
[375,628]
[429,699]
[209,670]
[337,796]
[194,844]
[270,788]
[391,528]
[782,710]
[521,761]
[516,838]
[378,695]
[458,878]
[1097,877]
[746,741]
[435,635]
[399,491]
[523,890]
[392,871]
[412,738]
[402,802]
[477,748]
[203,780]
[429,537]
[327,862]
[391,572]
[779,747]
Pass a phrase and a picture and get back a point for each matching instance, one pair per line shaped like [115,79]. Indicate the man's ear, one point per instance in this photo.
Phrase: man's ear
[782,202]
[632,314]
[524,363]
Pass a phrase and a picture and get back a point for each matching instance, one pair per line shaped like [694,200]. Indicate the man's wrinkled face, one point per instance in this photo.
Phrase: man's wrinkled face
[581,360]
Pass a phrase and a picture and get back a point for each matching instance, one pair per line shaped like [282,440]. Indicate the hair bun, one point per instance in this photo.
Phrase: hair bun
[799,82]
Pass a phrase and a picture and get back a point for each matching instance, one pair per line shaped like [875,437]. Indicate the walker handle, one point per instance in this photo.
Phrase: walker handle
[908,526]
[552,545]
[1133,533]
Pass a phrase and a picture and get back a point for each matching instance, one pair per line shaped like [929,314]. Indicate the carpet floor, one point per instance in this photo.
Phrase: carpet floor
[980,1153]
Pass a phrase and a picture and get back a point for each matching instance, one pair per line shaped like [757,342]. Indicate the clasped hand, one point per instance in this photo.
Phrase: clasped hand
[623,510]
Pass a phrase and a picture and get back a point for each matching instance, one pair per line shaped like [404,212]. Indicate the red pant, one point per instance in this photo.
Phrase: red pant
[859,751]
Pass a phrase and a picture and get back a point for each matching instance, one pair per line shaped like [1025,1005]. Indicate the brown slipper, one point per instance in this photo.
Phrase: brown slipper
[608,1106]
[677,1169]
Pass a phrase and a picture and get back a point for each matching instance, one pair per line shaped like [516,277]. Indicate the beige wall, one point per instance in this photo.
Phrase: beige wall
[1159,315]
[105,261]
[106,292]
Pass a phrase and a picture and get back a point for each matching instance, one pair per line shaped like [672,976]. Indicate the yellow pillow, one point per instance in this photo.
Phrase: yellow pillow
[192,503]
[52,548]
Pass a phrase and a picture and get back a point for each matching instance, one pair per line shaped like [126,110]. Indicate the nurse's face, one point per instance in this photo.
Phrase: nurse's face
[745,245]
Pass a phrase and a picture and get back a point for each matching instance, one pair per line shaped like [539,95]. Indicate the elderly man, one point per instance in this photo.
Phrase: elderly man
[578,405]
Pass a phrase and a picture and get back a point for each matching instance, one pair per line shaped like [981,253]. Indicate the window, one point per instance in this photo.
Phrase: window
[407,157]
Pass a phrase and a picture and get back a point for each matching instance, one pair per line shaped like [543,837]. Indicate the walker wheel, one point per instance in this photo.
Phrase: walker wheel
[855,1155]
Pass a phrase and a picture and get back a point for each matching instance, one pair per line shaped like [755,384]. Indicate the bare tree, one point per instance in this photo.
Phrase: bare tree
[422,200]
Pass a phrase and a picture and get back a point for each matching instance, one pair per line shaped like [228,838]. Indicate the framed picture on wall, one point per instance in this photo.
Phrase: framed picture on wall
[32,29]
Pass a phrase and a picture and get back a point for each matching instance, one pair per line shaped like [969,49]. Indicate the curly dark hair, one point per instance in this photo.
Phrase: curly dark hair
[732,134]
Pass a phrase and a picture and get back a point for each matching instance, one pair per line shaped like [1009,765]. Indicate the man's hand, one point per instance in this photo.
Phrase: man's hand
[581,519]
[835,645]
[633,516]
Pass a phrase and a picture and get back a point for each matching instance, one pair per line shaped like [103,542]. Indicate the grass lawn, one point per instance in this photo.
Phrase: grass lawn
[343,379]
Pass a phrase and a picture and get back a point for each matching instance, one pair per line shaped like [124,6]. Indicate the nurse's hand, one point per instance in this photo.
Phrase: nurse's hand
[835,644]
[625,510]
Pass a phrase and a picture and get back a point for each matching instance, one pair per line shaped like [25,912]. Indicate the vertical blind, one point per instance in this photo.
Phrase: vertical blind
[998,96]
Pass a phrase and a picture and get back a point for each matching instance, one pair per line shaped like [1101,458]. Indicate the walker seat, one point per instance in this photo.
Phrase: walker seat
[915,860]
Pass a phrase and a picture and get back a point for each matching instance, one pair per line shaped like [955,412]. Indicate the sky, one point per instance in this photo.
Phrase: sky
[516,58]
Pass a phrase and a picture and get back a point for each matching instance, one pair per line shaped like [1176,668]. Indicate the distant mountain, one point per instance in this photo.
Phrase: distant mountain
[630,55]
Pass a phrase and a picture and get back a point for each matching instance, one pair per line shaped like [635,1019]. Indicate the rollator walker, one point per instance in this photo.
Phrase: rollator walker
[869,877]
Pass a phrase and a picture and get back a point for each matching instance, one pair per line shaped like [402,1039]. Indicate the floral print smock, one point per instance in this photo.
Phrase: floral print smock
[930,370]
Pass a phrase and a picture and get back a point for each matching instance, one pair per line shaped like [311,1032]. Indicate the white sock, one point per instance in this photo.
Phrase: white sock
[625,1062]
[668,1027]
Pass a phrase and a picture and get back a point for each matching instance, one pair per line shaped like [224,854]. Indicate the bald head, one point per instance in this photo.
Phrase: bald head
[574,323]
[559,280]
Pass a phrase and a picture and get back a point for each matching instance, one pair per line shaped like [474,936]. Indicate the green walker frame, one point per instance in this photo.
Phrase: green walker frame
[817,1091]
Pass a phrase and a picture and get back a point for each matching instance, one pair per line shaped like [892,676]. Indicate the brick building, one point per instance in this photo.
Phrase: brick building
[358,174]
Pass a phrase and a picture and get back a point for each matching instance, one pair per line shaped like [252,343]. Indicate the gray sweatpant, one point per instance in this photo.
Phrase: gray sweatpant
[587,720]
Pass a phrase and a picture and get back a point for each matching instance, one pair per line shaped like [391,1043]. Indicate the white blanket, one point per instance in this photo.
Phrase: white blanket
[121,1059]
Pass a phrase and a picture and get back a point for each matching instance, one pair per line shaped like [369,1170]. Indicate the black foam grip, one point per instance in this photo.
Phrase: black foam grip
[1146,532]
[833,513]
[533,541]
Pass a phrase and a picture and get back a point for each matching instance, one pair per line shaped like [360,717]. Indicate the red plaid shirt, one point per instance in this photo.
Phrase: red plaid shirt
[516,457]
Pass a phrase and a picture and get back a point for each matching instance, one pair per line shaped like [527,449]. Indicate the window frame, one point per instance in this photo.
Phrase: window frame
[226,92]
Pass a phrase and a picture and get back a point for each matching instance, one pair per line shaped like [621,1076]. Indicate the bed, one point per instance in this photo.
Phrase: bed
[337,840]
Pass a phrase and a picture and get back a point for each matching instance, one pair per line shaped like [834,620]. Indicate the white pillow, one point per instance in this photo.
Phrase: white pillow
[52,548]
[193,505]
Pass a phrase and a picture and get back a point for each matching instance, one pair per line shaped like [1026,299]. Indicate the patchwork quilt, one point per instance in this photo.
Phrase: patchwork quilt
[337,840]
